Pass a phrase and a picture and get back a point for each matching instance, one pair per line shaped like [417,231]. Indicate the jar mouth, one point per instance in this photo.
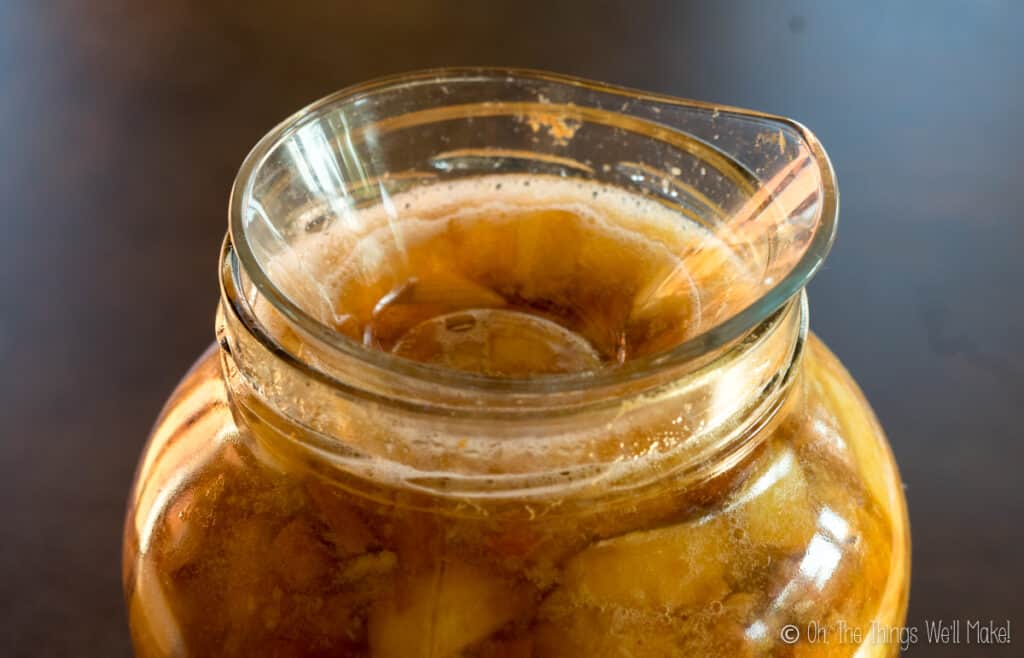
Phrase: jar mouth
[813,214]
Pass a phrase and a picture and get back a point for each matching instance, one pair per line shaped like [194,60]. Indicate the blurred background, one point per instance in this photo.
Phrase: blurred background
[122,125]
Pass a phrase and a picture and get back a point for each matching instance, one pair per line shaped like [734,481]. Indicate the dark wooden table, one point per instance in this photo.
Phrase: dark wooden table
[122,125]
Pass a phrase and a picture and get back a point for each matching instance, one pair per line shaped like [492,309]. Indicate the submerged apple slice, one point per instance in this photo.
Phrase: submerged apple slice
[775,508]
[661,569]
[437,614]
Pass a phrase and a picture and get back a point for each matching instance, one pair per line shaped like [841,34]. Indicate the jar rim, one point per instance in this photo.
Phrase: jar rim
[686,356]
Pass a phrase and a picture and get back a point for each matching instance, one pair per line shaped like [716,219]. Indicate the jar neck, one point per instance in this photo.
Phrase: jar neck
[347,418]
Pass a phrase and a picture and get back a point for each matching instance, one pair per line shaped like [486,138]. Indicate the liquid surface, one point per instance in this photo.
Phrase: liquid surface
[516,276]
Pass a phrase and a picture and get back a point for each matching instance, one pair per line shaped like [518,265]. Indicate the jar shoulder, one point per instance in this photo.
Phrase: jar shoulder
[838,419]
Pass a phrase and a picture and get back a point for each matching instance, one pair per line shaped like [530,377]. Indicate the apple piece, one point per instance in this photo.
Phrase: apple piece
[439,614]
[660,569]
[298,557]
[349,533]
[775,509]
[368,565]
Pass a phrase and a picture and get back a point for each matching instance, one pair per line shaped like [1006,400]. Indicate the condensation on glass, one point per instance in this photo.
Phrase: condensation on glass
[514,365]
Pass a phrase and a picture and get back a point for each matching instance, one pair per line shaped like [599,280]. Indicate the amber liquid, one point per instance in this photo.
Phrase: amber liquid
[517,277]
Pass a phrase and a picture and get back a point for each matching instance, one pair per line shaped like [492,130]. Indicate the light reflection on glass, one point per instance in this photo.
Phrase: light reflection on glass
[834,524]
[820,560]
[301,166]
[828,434]
[757,631]
[775,473]
[323,164]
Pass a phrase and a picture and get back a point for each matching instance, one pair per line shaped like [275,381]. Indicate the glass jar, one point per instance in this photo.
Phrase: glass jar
[724,493]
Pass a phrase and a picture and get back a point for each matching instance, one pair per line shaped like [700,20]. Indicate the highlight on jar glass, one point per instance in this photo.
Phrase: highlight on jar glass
[516,365]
